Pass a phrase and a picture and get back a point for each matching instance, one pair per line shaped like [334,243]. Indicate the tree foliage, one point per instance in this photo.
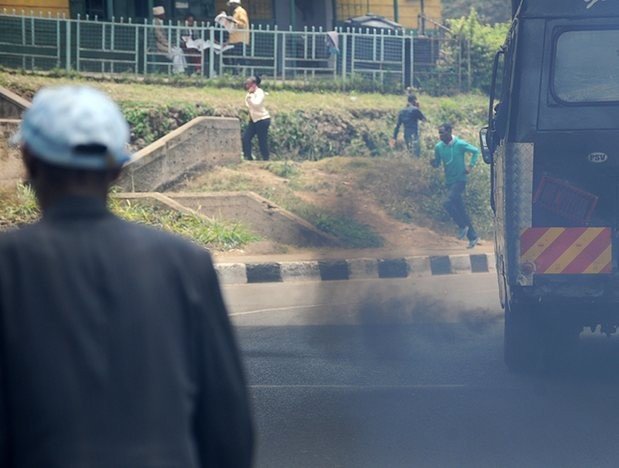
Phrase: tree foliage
[484,40]
[480,42]
[490,11]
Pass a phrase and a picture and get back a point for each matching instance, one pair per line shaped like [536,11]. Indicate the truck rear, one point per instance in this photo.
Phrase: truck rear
[553,143]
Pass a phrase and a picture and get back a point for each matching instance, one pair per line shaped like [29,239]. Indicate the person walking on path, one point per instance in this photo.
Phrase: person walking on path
[409,117]
[259,119]
[451,152]
[116,349]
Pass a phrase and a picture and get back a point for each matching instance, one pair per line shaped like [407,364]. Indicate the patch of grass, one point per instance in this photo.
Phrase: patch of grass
[345,228]
[349,231]
[307,125]
[411,191]
[18,207]
[213,234]
[284,169]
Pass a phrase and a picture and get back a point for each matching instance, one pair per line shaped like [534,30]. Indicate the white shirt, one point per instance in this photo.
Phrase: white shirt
[255,103]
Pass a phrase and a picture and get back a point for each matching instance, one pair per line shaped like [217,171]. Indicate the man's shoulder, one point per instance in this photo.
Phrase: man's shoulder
[463,143]
[439,146]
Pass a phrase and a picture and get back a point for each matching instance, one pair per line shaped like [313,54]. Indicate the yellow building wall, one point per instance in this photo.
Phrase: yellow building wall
[408,10]
[55,7]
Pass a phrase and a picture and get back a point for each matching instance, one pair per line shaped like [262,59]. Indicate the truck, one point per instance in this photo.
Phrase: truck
[552,141]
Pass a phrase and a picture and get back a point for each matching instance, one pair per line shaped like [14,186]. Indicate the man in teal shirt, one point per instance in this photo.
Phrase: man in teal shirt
[451,152]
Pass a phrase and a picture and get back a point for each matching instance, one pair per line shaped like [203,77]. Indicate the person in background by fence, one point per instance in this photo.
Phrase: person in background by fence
[193,55]
[174,54]
[239,34]
[451,151]
[259,119]
[116,349]
[237,24]
[409,117]
[332,41]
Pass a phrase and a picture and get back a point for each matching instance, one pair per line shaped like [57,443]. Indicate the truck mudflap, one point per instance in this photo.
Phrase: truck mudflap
[565,251]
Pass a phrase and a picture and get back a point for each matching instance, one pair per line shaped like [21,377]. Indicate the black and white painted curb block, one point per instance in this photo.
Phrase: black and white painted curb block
[361,268]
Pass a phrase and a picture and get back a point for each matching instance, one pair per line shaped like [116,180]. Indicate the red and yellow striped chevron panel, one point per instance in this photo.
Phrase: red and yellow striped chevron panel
[567,251]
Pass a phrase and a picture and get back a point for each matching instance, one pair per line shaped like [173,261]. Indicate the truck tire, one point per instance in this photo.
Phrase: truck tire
[522,338]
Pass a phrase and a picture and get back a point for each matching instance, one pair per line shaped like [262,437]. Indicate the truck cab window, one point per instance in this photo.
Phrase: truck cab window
[586,68]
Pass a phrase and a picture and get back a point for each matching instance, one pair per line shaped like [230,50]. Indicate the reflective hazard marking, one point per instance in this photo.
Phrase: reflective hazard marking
[567,251]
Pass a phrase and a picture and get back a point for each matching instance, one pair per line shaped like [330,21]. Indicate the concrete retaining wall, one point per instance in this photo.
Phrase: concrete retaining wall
[202,143]
[12,106]
[11,168]
[257,213]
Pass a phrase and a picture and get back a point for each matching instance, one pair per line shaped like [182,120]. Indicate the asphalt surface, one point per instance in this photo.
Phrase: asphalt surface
[409,373]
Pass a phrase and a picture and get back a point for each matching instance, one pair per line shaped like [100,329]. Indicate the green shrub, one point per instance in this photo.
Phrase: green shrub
[214,234]
[284,169]
[484,41]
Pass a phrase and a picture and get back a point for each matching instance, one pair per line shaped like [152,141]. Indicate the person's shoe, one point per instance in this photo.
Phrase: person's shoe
[473,243]
[462,232]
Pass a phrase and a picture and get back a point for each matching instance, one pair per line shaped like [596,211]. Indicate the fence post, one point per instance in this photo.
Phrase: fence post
[275,55]
[68,45]
[412,77]
[459,64]
[58,43]
[352,53]
[23,39]
[211,55]
[77,44]
[146,39]
[344,55]
[403,59]
[136,55]
[283,56]
[32,40]
[470,71]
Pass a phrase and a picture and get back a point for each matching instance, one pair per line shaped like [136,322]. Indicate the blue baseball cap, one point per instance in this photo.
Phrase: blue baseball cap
[76,127]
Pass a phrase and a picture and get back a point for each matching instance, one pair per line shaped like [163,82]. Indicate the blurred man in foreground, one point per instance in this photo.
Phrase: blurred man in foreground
[115,345]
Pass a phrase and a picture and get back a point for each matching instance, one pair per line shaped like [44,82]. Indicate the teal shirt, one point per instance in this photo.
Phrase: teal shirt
[453,157]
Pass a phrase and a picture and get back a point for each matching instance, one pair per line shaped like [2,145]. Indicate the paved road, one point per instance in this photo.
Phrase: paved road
[409,374]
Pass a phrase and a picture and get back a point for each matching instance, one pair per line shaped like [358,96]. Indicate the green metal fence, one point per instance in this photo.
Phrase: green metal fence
[87,45]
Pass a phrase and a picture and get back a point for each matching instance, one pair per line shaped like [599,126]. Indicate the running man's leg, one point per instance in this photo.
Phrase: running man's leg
[454,204]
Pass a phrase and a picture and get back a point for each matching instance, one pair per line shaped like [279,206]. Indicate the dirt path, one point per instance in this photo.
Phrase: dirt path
[341,192]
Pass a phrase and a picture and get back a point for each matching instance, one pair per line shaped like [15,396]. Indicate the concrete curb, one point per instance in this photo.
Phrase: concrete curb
[360,268]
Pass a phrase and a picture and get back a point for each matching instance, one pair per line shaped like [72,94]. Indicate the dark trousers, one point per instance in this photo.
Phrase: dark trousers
[411,137]
[454,205]
[260,128]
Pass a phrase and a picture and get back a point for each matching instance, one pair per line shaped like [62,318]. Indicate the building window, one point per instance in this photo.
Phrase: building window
[350,8]
[96,8]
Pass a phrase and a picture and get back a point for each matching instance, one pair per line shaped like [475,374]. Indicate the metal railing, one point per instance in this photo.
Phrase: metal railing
[379,57]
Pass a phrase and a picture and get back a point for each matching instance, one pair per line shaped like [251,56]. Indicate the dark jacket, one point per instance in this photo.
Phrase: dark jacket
[409,117]
[116,350]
